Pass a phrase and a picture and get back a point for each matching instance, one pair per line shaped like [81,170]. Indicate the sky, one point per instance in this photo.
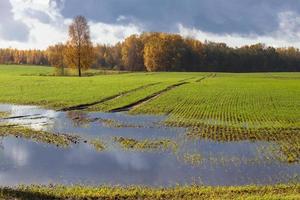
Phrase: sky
[26,24]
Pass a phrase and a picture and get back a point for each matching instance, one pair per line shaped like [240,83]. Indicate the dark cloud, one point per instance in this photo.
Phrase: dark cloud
[218,16]
[11,29]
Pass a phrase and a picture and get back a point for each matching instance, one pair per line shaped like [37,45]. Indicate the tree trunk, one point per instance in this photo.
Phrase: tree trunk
[79,71]
[79,67]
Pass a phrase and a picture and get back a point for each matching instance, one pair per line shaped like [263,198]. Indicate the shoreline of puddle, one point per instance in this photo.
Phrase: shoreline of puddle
[23,161]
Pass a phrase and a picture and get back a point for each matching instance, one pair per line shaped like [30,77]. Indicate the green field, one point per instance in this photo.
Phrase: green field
[131,193]
[30,85]
[232,100]
[220,106]
[223,107]
[236,101]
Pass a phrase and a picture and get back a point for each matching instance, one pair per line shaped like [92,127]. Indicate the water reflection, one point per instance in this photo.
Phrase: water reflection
[30,116]
[26,162]
[78,118]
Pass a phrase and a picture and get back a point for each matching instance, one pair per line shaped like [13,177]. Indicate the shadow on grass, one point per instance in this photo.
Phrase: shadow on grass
[13,194]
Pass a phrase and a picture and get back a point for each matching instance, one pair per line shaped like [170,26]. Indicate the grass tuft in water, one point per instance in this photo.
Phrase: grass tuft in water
[129,143]
[286,142]
[97,144]
[193,159]
[4,114]
[62,140]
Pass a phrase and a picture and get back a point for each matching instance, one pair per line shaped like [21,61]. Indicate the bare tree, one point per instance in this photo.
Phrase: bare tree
[79,51]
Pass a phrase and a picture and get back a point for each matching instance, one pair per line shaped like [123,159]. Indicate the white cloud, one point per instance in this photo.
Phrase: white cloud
[289,26]
[287,34]
[47,26]
[45,23]
[18,154]
[38,119]
[10,28]
[130,161]
[21,6]
[111,34]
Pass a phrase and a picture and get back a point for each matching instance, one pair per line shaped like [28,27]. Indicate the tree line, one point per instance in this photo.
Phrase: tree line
[172,52]
[155,52]
[15,56]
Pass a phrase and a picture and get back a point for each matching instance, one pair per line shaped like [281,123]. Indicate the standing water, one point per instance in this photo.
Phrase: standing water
[193,161]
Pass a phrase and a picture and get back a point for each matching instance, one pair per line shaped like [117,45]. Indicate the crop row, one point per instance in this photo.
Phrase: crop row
[234,108]
[232,103]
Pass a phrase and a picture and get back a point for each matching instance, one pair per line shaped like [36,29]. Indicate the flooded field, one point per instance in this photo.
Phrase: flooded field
[121,149]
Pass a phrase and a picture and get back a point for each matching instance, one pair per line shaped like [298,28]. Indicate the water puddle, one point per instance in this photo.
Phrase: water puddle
[190,161]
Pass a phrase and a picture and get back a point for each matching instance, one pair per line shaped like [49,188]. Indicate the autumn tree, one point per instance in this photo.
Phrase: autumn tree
[100,51]
[132,54]
[116,52]
[15,56]
[109,56]
[165,52]
[56,57]
[158,52]
[79,49]
[194,57]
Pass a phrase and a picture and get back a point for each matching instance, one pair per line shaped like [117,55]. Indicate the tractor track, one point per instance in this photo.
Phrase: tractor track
[147,98]
[85,106]
[157,94]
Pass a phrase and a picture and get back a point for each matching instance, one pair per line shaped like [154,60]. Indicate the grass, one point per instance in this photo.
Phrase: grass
[61,140]
[112,123]
[218,106]
[193,159]
[235,107]
[90,72]
[222,107]
[130,97]
[25,70]
[144,145]
[139,192]
[24,85]
[286,146]
[4,114]
[97,144]
[233,101]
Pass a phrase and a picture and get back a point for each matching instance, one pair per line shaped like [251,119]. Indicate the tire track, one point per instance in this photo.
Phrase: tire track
[85,106]
[205,77]
[147,98]
[155,95]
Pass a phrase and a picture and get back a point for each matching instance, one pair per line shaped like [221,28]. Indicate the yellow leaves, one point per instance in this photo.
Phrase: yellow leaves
[132,53]
[79,51]
[56,55]
[165,52]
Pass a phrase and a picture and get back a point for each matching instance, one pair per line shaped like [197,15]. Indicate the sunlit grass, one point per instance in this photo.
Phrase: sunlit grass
[24,85]
[62,140]
[139,192]
[4,114]
[223,107]
[144,145]
[97,144]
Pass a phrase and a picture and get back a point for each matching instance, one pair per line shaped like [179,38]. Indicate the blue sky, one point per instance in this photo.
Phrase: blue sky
[39,23]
